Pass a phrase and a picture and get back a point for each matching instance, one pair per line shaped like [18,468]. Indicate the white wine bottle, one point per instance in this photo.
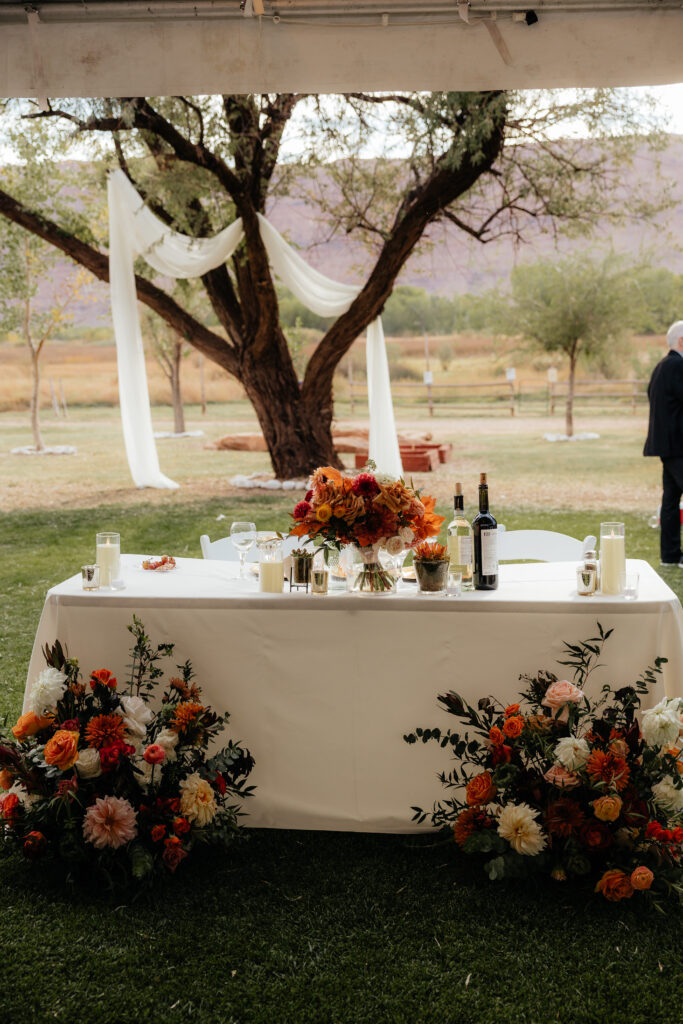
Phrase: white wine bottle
[460,540]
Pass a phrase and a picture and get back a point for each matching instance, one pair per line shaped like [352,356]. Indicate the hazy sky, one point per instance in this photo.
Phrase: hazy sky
[671,99]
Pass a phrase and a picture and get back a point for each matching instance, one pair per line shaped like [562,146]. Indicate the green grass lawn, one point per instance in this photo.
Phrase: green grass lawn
[307,927]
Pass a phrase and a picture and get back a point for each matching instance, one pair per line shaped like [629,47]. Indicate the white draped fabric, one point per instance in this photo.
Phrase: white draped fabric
[135,231]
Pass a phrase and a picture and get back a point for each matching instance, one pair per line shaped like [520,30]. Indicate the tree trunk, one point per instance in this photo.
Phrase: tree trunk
[570,397]
[35,403]
[297,433]
[178,411]
[202,383]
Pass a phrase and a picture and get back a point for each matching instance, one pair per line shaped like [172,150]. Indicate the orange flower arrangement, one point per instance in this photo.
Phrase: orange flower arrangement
[606,767]
[62,749]
[480,789]
[29,724]
[185,716]
[104,730]
[615,885]
[364,510]
[467,823]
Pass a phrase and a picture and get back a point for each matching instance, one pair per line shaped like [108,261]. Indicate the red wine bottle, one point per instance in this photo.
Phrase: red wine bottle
[485,536]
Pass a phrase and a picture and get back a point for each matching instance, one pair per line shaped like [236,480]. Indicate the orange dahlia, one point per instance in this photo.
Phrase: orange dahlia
[608,768]
[468,822]
[185,716]
[104,730]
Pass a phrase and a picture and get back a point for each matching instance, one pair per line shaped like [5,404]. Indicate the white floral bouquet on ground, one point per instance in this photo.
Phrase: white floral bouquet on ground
[99,776]
[562,785]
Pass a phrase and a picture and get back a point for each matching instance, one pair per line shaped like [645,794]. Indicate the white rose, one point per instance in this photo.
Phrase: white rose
[137,715]
[660,724]
[406,535]
[516,824]
[394,546]
[48,688]
[89,765]
[168,739]
[146,770]
[668,796]
[571,752]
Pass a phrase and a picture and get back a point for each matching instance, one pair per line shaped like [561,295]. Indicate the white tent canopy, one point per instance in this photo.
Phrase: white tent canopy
[170,47]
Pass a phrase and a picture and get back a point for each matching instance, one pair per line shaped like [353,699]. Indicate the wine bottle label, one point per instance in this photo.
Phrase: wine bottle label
[489,552]
[463,550]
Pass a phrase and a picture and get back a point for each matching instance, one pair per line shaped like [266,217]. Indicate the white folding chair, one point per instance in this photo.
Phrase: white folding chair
[541,546]
[224,550]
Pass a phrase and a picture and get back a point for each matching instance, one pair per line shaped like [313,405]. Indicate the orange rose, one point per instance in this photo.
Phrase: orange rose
[511,709]
[62,749]
[29,724]
[9,807]
[642,878]
[480,789]
[496,736]
[619,747]
[5,779]
[615,885]
[607,808]
[512,727]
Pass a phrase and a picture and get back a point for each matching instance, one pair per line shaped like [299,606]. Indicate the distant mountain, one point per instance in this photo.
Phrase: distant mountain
[453,262]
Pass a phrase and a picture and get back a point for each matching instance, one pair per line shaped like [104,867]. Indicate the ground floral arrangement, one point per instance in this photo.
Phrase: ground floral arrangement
[560,785]
[370,510]
[96,780]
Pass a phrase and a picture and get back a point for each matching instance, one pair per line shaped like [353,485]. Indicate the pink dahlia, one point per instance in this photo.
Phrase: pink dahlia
[301,510]
[365,485]
[109,822]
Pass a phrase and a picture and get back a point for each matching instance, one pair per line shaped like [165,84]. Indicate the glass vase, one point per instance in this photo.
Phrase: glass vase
[370,576]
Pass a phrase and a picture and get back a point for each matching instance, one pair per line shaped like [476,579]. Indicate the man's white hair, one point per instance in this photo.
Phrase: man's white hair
[674,334]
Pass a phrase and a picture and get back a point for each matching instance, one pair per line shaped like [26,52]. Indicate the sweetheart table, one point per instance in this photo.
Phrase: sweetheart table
[323,688]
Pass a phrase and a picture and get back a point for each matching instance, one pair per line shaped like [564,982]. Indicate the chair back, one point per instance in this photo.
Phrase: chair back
[541,546]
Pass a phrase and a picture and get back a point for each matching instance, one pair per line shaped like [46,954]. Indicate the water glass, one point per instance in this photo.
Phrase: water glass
[454,583]
[243,536]
[629,585]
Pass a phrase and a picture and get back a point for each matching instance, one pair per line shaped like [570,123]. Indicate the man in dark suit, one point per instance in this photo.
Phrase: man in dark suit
[665,438]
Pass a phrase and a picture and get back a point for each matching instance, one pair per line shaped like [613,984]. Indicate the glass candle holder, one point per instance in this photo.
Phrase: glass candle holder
[612,557]
[90,576]
[319,581]
[586,580]
[108,547]
[629,585]
[454,582]
[271,570]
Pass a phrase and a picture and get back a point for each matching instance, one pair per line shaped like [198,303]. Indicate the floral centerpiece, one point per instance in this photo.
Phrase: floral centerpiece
[96,778]
[369,510]
[560,785]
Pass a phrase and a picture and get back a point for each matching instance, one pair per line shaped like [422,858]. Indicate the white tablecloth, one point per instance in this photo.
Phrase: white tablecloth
[322,689]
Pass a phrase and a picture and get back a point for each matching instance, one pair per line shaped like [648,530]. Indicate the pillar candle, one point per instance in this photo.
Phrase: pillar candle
[612,563]
[271,577]
[108,559]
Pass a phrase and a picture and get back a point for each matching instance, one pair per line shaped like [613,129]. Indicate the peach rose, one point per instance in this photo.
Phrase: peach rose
[5,779]
[642,878]
[558,695]
[29,724]
[607,808]
[619,747]
[480,789]
[615,885]
[62,749]
[512,727]
[559,776]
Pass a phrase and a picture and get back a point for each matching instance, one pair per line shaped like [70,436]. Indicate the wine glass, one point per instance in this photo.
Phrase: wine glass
[243,536]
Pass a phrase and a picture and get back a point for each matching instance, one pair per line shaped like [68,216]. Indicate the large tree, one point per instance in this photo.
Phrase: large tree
[488,162]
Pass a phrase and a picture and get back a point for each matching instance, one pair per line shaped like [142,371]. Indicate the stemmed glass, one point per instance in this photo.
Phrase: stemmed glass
[243,536]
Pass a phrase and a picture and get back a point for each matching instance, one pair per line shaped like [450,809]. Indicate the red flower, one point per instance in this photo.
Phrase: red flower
[365,486]
[220,784]
[9,805]
[173,805]
[71,725]
[110,756]
[501,754]
[103,677]
[173,853]
[158,832]
[301,510]
[181,826]
[596,836]
[35,845]
[67,786]
[154,754]
[563,817]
